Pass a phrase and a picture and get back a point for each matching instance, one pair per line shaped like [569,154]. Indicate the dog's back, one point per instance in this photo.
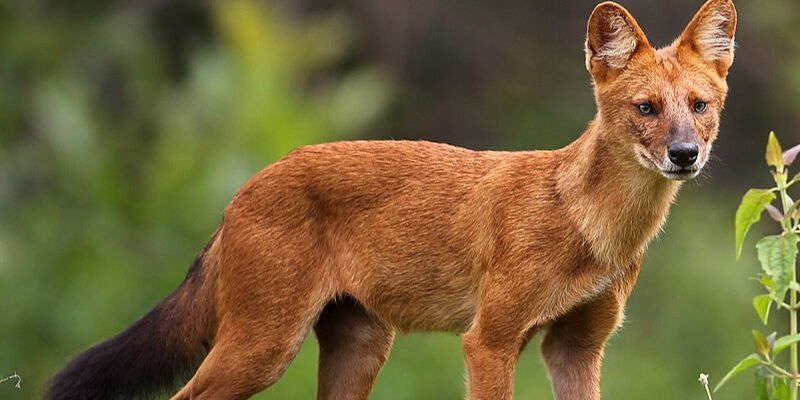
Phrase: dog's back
[404,227]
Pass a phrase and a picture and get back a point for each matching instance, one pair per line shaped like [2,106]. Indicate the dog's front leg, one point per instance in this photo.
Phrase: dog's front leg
[490,365]
[492,344]
[573,346]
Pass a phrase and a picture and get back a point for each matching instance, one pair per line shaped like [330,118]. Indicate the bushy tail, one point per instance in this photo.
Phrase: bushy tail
[157,353]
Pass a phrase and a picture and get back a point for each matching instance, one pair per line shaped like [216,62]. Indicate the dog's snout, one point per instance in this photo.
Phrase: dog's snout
[683,154]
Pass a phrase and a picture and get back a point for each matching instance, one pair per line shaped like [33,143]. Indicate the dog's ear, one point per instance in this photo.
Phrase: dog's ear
[710,34]
[612,39]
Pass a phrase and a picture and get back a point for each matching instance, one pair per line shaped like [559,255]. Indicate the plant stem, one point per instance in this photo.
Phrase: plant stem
[779,371]
[793,328]
[708,393]
[793,294]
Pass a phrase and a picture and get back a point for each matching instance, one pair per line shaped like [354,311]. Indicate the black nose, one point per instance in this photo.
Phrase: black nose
[682,154]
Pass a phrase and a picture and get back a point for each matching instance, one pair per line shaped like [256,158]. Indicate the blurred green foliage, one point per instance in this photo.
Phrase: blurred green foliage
[115,168]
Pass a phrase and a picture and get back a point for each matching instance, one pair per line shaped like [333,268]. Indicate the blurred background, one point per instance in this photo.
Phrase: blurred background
[126,127]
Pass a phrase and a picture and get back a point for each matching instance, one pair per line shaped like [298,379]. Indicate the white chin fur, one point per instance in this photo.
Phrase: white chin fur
[680,176]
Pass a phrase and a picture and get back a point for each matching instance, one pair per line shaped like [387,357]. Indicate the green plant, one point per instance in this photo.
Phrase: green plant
[777,255]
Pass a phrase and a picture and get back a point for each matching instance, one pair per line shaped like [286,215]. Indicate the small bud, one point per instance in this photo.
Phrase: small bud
[771,340]
[774,153]
[774,213]
[790,155]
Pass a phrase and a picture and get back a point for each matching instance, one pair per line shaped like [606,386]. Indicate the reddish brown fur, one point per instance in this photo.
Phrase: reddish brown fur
[359,239]
[495,245]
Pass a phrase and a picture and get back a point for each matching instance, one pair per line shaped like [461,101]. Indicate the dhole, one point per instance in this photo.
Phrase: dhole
[359,240]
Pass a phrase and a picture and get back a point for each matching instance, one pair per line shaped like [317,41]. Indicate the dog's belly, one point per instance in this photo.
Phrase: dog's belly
[452,312]
[413,298]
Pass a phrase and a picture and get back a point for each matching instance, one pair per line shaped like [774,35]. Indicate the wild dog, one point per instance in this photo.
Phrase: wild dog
[359,240]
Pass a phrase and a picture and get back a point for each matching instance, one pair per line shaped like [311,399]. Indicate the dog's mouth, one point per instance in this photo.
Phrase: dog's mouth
[680,174]
[672,171]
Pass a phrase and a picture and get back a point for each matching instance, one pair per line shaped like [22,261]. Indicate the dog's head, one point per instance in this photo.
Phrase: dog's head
[664,105]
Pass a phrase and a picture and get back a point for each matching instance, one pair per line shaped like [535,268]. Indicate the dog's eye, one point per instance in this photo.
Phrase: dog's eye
[700,106]
[645,109]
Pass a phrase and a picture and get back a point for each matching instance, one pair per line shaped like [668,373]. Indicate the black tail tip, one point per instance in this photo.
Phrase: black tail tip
[108,372]
[143,362]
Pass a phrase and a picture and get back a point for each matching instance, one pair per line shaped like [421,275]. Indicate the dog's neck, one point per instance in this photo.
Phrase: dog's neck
[616,204]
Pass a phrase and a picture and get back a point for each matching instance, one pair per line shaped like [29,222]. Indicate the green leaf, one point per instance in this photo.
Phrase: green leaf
[780,389]
[762,347]
[777,255]
[763,380]
[768,283]
[762,304]
[747,362]
[749,213]
[774,153]
[785,342]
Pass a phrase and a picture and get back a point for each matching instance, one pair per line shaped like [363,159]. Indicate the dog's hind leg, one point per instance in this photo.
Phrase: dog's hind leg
[268,298]
[353,346]
[242,365]
[250,355]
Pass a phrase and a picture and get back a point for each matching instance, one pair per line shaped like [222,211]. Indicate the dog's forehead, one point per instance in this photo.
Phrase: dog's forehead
[667,74]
